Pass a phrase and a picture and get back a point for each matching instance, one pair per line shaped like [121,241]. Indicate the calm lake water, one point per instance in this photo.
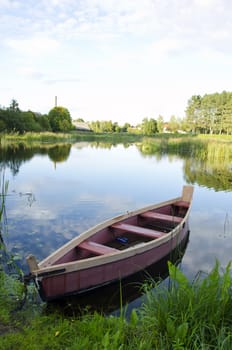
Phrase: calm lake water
[55,193]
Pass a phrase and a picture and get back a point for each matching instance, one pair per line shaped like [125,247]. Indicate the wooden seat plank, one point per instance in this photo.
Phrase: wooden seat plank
[97,248]
[142,231]
[159,216]
[183,204]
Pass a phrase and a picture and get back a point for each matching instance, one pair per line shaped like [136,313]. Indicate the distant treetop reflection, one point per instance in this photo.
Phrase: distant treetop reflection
[59,153]
[14,155]
[206,162]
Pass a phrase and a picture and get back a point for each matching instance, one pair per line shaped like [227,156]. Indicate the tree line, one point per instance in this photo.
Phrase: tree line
[12,119]
[209,114]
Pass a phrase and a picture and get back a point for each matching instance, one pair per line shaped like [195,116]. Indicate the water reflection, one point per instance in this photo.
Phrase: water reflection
[59,153]
[13,156]
[91,183]
[112,297]
[214,173]
[205,164]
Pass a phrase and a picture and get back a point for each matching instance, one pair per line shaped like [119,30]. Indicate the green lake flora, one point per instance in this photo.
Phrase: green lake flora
[184,315]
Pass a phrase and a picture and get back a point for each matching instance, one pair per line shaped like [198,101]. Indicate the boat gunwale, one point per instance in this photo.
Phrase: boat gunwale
[47,266]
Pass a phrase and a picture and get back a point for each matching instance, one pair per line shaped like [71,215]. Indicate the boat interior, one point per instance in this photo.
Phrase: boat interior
[134,230]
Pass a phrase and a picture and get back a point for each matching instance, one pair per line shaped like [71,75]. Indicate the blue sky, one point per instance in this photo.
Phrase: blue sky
[119,60]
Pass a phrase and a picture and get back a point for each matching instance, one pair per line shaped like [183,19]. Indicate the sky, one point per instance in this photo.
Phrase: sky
[119,60]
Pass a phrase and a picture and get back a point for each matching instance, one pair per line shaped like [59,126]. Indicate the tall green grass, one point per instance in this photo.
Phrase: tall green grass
[183,315]
[11,290]
[189,146]
[30,137]
[45,137]
[191,315]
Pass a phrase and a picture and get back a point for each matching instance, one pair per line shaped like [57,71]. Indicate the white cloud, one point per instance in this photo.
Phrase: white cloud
[122,57]
[30,73]
[33,46]
[206,3]
[9,4]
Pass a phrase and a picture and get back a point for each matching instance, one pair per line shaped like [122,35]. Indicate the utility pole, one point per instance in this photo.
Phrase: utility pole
[55,101]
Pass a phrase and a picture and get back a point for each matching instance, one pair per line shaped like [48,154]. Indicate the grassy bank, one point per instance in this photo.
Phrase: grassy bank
[49,137]
[199,146]
[182,316]
[161,140]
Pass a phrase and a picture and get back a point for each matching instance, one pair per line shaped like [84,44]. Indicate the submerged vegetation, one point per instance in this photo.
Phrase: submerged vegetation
[183,315]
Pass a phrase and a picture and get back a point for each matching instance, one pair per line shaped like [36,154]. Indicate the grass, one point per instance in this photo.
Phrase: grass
[183,144]
[200,147]
[183,315]
[74,136]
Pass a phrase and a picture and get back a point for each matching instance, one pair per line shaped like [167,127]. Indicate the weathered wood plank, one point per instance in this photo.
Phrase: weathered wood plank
[182,204]
[187,193]
[142,231]
[163,217]
[97,248]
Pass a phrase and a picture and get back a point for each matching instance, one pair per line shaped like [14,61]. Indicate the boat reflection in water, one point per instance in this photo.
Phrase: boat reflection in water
[111,298]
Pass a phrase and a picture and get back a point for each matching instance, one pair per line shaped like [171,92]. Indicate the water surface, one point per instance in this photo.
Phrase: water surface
[57,192]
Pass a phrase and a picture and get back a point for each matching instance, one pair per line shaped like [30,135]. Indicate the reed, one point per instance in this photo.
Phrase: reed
[198,147]
[73,136]
[35,137]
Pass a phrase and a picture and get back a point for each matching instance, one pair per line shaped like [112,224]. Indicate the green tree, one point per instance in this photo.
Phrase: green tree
[160,123]
[103,126]
[95,126]
[149,126]
[3,124]
[14,106]
[60,119]
[43,122]
[125,127]
[193,112]
[28,122]
[211,113]
[14,121]
[174,124]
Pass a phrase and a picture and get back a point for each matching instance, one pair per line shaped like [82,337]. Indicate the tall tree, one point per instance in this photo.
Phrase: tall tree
[149,126]
[193,112]
[174,124]
[160,123]
[60,119]
[14,106]
[211,113]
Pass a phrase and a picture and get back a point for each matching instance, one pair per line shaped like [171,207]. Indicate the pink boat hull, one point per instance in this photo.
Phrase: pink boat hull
[81,281]
[114,250]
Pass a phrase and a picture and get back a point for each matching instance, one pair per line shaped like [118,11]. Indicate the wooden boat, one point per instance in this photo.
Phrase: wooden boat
[113,250]
[128,291]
